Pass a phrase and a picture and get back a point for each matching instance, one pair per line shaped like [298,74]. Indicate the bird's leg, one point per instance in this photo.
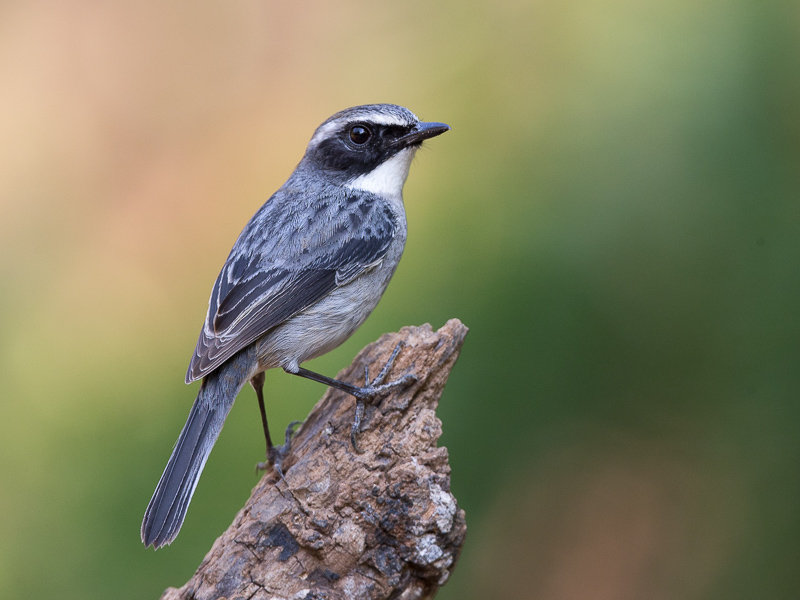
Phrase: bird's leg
[371,390]
[258,385]
[275,455]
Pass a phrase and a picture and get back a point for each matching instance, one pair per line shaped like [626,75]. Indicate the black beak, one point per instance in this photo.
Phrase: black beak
[421,132]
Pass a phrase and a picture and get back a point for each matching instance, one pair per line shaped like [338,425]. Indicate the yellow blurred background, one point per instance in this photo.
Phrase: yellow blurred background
[615,215]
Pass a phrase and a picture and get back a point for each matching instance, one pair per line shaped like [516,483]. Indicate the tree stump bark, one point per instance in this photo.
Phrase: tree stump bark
[343,525]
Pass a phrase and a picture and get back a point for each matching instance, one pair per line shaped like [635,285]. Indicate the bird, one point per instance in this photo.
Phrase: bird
[304,274]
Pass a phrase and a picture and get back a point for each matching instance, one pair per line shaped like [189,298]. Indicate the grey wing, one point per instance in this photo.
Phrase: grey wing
[255,292]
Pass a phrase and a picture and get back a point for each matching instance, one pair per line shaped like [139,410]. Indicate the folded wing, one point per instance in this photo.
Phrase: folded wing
[278,268]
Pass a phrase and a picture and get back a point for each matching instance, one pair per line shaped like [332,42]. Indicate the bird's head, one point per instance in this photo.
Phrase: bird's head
[369,147]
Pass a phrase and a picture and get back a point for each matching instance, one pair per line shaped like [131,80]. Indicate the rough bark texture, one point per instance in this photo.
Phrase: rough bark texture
[343,525]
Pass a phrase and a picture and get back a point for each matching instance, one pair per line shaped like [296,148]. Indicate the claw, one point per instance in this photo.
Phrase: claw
[356,429]
[276,455]
[386,368]
[373,389]
[290,433]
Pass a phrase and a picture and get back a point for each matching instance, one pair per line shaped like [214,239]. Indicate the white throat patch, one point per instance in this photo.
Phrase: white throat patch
[387,179]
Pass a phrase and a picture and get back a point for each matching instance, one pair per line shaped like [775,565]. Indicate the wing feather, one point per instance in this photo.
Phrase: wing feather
[281,265]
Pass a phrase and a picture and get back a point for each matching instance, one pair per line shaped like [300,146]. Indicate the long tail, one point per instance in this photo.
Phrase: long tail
[167,509]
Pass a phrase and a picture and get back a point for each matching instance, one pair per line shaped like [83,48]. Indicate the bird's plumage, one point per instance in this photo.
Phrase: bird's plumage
[303,275]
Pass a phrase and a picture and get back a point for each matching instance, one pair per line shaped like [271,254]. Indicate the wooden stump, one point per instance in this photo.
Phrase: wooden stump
[343,525]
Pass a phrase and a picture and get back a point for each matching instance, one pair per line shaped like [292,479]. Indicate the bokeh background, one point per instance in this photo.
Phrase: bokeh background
[615,215]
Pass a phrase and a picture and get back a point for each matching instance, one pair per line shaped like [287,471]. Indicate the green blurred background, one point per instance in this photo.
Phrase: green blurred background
[615,215]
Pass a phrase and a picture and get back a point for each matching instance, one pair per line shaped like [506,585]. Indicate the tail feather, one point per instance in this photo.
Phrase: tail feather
[167,509]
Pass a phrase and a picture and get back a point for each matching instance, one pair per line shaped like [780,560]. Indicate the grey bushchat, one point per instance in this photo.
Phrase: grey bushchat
[304,274]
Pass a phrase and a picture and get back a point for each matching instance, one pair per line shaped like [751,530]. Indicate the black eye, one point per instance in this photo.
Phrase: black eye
[359,134]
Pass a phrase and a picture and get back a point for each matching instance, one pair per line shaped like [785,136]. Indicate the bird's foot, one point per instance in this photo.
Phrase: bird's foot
[277,454]
[374,389]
